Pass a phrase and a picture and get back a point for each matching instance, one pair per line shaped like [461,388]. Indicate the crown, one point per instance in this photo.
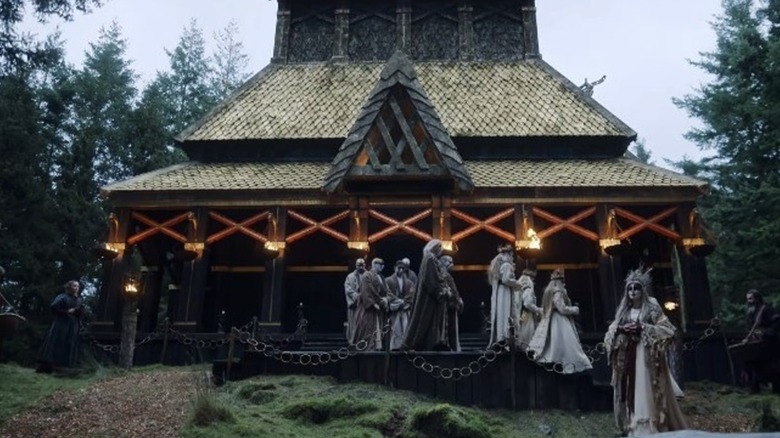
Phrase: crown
[641,276]
[557,274]
[504,248]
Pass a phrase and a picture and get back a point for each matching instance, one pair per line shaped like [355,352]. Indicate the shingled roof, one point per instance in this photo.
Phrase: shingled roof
[473,99]
[613,172]
[398,134]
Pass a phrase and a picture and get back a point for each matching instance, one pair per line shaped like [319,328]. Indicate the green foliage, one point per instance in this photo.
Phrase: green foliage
[319,411]
[641,151]
[207,410]
[230,61]
[740,115]
[450,421]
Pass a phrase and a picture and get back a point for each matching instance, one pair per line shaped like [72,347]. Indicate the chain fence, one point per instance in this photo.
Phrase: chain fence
[275,348]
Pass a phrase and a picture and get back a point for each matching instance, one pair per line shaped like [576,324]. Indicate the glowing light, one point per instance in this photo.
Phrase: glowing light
[670,305]
[607,243]
[274,246]
[359,246]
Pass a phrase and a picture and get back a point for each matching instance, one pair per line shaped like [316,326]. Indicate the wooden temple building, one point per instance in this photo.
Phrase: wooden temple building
[377,126]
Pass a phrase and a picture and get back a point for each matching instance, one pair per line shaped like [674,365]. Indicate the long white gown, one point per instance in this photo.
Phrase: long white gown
[556,340]
[501,303]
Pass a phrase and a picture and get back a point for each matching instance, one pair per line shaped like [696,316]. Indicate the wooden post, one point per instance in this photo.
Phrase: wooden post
[272,297]
[341,40]
[127,343]
[282,38]
[530,36]
[166,324]
[403,23]
[189,310]
[610,272]
[695,298]
[108,314]
[231,352]
[466,30]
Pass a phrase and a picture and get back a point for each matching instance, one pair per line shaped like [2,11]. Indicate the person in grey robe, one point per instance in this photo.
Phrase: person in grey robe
[401,297]
[371,306]
[501,276]
[409,272]
[430,304]
[454,304]
[60,348]
[526,309]
[351,292]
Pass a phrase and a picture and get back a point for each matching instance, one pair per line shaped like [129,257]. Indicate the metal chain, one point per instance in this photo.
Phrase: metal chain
[709,331]
[456,373]
[301,358]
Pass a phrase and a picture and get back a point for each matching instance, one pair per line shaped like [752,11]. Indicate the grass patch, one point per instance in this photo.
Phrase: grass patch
[208,410]
[22,387]
[445,420]
[322,410]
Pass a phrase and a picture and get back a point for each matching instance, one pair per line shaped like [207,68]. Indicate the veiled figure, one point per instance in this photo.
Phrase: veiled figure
[556,340]
[636,344]
[454,304]
[501,275]
[430,304]
[401,298]
[351,293]
[372,302]
[60,348]
[526,309]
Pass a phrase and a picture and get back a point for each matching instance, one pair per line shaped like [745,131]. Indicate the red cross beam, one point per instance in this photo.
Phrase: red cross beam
[233,227]
[314,226]
[651,223]
[569,223]
[403,225]
[486,225]
[157,227]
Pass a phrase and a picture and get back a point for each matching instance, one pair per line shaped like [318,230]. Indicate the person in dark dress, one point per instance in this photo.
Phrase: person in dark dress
[60,348]
[425,332]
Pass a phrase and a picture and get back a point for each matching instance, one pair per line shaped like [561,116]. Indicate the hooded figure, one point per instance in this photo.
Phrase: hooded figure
[372,302]
[430,304]
[526,310]
[501,276]
[351,293]
[401,298]
[556,340]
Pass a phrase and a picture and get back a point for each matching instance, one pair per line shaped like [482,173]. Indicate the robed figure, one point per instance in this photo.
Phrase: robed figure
[400,300]
[501,275]
[454,304]
[372,302]
[351,293]
[430,304]
[555,340]
[60,348]
[636,344]
[526,310]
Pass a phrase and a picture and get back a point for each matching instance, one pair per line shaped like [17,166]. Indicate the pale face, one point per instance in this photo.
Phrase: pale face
[360,265]
[634,291]
[751,299]
[73,288]
[399,270]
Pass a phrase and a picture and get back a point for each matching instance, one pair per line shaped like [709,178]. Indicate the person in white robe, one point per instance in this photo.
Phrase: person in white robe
[526,309]
[351,293]
[636,344]
[400,298]
[555,340]
[501,275]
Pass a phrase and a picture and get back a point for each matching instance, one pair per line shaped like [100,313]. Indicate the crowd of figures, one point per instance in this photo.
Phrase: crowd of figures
[423,316]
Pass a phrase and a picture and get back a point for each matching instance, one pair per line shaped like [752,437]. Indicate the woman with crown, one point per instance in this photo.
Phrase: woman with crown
[636,343]
[555,340]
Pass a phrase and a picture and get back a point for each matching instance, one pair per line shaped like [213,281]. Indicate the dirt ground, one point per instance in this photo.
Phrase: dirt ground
[149,404]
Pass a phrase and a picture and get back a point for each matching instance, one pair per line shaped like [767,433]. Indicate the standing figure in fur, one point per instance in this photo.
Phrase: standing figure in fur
[636,344]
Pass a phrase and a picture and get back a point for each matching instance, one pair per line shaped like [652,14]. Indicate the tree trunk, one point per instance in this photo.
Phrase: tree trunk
[129,324]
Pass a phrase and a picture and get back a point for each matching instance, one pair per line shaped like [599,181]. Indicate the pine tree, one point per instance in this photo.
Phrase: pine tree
[740,113]
[230,61]
[641,151]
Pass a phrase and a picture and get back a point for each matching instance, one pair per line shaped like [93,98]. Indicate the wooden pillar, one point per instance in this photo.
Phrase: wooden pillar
[530,34]
[695,298]
[466,30]
[358,224]
[403,25]
[189,309]
[441,208]
[150,301]
[107,315]
[341,41]
[282,38]
[610,272]
[273,278]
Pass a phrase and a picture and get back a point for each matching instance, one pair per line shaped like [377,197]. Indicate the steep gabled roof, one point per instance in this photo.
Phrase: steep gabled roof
[398,134]
[473,99]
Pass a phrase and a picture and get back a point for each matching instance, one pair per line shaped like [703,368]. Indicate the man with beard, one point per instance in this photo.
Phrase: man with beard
[761,321]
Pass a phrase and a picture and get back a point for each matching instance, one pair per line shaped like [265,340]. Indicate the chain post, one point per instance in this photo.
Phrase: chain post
[254,327]
[231,352]
[166,323]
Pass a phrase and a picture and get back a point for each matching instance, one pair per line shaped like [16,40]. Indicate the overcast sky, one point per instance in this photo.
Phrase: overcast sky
[642,46]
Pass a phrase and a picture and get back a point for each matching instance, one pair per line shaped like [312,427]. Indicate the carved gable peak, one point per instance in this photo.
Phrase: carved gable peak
[398,142]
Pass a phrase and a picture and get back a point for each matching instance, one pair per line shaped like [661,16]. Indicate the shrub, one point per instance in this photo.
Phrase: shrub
[445,420]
